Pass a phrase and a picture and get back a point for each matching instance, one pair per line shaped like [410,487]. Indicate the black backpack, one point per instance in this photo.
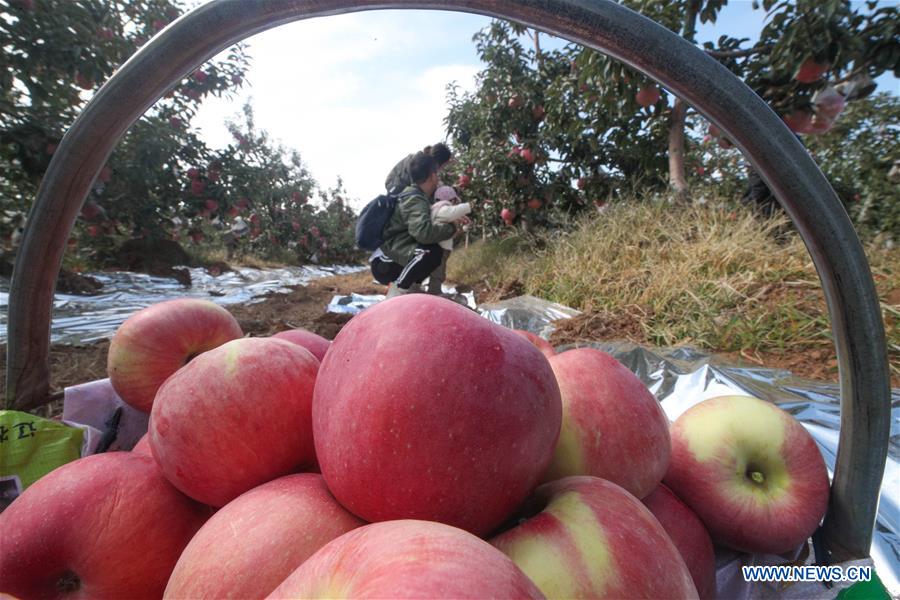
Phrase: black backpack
[372,220]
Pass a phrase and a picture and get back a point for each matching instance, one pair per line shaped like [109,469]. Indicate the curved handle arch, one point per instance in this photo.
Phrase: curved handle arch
[682,68]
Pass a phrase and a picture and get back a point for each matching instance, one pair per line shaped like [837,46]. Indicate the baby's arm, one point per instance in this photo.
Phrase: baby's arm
[451,213]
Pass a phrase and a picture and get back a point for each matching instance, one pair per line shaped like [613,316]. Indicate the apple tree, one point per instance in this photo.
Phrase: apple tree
[56,54]
[604,128]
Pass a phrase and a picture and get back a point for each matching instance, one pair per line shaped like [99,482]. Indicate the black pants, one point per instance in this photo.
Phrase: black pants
[426,259]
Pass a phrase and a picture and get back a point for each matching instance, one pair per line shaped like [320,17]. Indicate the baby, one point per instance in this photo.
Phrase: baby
[445,210]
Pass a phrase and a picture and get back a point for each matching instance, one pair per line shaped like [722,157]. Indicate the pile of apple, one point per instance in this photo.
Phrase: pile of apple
[424,453]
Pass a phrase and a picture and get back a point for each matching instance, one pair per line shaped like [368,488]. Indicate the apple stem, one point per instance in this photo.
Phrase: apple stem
[68,582]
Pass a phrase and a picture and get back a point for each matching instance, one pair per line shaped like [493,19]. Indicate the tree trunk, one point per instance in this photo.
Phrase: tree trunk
[676,149]
[677,178]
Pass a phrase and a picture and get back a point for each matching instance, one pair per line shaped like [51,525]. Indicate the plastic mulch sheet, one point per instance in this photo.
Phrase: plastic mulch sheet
[86,319]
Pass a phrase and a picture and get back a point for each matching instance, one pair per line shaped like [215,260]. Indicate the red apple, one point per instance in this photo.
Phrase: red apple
[515,101]
[407,559]
[535,203]
[193,173]
[647,96]
[539,342]
[235,417]
[211,205]
[799,121]
[93,230]
[527,155]
[508,215]
[255,541]
[309,340]
[463,181]
[158,340]
[538,112]
[589,538]
[197,187]
[91,210]
[199,76]
[751,472]
[104,526]
[612,425]
[407,442]
[143,446]
[84,82]
[689,535]
[810,71]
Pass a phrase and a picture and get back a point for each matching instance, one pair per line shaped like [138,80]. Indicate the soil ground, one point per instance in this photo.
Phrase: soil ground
[305,306]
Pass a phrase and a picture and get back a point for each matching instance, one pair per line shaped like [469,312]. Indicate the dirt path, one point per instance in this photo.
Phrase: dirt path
[305,307]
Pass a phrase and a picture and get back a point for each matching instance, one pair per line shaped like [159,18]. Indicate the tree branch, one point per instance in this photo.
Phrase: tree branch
[739,53]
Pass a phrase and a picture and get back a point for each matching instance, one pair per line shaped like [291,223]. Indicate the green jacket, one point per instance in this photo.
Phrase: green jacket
[398,179]
[411,225]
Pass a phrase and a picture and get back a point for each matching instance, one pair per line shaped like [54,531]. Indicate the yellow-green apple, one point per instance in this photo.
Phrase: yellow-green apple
[612,425]
[689,535]
[407,559]
[589,538]
[255,541]
[158,340]
[539,342]
[424,410]
[750,471]
[235,417]
[309,340]
[103,526]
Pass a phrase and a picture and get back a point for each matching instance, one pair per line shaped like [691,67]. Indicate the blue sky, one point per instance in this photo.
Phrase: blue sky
[354,93]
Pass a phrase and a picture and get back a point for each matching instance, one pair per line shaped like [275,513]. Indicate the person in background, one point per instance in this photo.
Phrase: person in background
[399,178]
[447,208]
[410,251]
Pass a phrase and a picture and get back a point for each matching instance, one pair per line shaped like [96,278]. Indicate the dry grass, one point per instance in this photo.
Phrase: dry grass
[714,276]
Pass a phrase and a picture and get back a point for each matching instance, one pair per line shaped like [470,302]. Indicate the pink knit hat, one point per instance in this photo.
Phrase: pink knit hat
[445,192]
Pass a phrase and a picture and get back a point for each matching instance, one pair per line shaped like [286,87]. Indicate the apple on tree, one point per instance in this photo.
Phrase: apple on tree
[612,426]
[811,71]
[235,417]
[407,559]
[103,526]
[647,96]
[158,340]
[255,541]
[508,216]
[750,471]
[406,442]
[585,537]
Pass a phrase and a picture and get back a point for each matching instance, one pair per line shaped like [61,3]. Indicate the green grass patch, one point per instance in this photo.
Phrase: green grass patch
[712,275]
